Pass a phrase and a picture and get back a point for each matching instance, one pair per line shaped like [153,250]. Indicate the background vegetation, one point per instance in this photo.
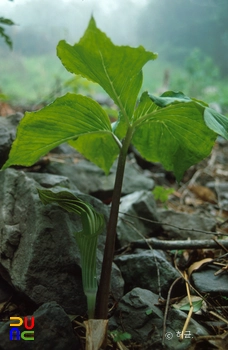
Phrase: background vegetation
[191,38]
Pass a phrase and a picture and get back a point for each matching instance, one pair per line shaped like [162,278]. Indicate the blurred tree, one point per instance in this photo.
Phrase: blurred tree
[177,27]
[6,21]
[202,72]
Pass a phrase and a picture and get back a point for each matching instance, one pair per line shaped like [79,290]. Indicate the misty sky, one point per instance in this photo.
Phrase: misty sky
[69,18]
[173,28]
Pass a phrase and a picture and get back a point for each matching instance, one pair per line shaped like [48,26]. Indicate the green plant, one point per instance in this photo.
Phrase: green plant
[202,71]
[172,129]
[92,226]
[3,97]
[6,21]
[120,336]
[162,194]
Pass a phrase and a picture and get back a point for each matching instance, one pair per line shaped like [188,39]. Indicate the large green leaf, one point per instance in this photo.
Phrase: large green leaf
[66,119]
[145,106]
[100,148]
[172,97]
[169,97]
[175,136]
[216,122]
[118,69]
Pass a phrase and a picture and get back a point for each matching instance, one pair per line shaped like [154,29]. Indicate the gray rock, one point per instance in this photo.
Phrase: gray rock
[103,99]
[47,181]
[206,282]
[6,291]
[117,281]
[8,127]
[38,253]
[84,175]
[220,187]
[131,313]
[175,322]
[90,179]
[52,330]
[186,221]
[140,270]
[146,329]
[65,149]
[137,204]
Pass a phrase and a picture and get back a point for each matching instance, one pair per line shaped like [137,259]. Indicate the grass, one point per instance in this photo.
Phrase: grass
[36,79]
[27,80]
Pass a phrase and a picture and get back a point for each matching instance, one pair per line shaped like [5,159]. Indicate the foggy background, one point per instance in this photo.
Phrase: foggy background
[185,33]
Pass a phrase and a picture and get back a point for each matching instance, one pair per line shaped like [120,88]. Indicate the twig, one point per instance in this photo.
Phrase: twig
[155,259]
[191,307]
[167,308]
[218,316]
[220,244]
[164,223]
[178,244]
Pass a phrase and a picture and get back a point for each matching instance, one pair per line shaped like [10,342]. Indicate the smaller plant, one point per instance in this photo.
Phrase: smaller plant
[3,97]
[197,305]
[162,194]
[120,336]
[149,312]
[92,226]
[79,85]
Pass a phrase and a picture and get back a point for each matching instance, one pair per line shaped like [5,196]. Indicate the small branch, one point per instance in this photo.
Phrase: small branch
[191,307]
[179,244]
[171,225]
[167,308]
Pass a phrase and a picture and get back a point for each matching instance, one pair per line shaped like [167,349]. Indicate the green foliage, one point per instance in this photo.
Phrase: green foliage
[79,85]
[3,97]
[92,226]
[200,66]
[197,305]
[41,76]
[162,194]
[202,71]
[203,24]
[96,58]
[120,336]
[173,129]
[149,312]
[6,21]
[170,129]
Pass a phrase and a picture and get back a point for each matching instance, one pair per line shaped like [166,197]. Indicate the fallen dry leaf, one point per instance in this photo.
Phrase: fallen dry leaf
[203,193]
[95,333]
[197,265]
